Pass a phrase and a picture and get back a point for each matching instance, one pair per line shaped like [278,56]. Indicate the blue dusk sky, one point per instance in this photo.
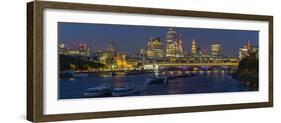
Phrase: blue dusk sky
[130,39]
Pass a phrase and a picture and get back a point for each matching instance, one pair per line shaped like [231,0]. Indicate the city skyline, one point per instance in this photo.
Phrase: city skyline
[99,60]
[130,39]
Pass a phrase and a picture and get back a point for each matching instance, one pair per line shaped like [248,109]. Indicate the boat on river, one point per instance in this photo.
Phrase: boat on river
[184,76]
[118,73]
[98,91]
[165,80]
[157,80]
[125,91]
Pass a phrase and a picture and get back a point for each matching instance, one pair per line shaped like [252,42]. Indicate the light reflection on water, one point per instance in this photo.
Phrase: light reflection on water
[205,82]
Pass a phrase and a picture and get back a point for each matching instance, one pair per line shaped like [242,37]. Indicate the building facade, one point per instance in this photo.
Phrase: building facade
[180,49]
[248,50]
[154,48]
[172,45]
[194,48]
[216,49]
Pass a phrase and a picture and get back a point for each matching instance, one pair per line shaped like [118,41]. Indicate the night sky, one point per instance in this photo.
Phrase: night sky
[130,39]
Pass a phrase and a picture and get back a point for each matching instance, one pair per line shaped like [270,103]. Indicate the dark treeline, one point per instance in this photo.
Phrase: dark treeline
[74,63]
[248,71]
[249,64]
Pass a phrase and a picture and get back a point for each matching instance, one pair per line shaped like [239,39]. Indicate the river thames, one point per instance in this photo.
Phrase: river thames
[204,82]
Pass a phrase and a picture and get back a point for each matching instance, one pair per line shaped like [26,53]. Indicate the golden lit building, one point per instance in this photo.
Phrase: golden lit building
[180,49]
[172,45]
[154,48]
[194,47]
[216,49]
[121,61]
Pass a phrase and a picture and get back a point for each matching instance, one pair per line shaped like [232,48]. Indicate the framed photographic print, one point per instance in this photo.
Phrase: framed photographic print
[96,61]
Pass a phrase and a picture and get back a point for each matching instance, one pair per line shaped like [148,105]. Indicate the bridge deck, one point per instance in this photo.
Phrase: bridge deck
[197,64]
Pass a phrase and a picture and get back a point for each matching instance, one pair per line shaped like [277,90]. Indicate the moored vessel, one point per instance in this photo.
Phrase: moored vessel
[125,91]
[98,91]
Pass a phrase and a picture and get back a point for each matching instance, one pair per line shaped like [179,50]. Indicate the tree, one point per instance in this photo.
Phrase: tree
[76,63]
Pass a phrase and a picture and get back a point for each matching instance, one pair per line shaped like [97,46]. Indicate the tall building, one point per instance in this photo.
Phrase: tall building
[172,45]
[180,49]
[142,55]
[248,51]
[149,51]
[194,47]
[243,53]
[216,49]
[154,48]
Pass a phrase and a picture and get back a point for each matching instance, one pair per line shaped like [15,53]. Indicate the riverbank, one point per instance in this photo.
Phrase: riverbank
[251,81]
[248,72]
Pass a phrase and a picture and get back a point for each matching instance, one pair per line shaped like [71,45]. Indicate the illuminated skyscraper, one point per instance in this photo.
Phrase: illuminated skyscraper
[172,45]
[180,49]
[142,55]
[194,47]
[149,52]
[154,48]
[216,49]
